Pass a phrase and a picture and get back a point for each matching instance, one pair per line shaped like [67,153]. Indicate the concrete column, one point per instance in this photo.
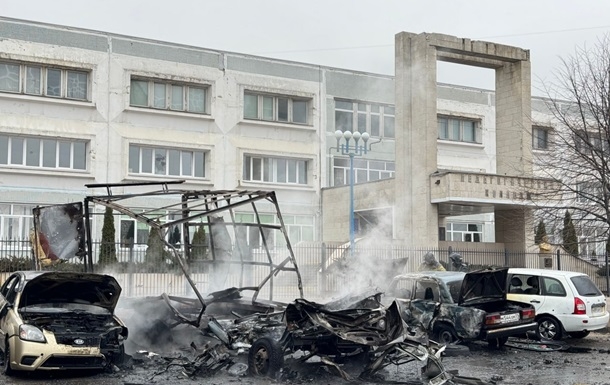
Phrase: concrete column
[416,134]
[515,229]
[513,119]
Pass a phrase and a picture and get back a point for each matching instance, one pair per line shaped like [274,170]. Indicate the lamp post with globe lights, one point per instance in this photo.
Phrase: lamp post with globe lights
[357,148]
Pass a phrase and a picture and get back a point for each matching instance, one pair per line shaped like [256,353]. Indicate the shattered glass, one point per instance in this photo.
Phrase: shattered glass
[58,232]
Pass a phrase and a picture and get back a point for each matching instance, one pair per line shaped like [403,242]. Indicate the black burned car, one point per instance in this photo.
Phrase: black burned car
[462,306]
[53,320]
[356,327]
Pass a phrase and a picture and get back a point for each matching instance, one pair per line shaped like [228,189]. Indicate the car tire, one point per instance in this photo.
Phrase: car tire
[580,334]
[444,334]
[497,343]
[6,367]
[549,329]
[265,357]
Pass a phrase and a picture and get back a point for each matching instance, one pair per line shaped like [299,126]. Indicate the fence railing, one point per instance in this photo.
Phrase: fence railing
[327,269]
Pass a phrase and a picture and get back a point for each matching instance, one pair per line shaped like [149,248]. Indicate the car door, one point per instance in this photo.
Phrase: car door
[556,301]
[8,293]
[526,288]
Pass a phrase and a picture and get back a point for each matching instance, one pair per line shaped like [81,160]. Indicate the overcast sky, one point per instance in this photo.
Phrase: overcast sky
[351,34]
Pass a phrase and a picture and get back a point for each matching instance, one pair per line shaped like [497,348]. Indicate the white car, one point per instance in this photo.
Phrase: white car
[566,302]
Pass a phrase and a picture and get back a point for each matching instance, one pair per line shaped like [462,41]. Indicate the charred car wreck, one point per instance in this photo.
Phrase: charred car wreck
[355,328]
[456,306]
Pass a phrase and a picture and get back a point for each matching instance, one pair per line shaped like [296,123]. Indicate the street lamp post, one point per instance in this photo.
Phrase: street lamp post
[358,148]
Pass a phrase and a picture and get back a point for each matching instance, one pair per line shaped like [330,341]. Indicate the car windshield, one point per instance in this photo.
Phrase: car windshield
[585,286]
[454,289]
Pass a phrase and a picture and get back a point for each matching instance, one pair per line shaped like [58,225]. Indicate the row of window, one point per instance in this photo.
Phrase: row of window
[159,94]
[299,227]
[34,152]
[276,170]
[365,170]
[458,129]
[43,153]
[45,81]
[163,161]
[376,119]
[463,232]
[16,222]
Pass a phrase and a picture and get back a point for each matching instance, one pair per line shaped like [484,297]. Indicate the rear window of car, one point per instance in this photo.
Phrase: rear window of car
[585,286]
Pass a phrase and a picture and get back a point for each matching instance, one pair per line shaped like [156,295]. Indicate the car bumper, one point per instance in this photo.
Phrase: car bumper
[30,356]
[576,323]
[508,331]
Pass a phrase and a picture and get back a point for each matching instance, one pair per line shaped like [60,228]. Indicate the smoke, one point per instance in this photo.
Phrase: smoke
[373,263]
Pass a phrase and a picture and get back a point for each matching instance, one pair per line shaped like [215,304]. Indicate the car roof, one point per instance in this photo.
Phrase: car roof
[442,275]
[563,273]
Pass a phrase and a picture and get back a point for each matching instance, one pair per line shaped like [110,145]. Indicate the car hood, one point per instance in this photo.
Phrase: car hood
[70,287]
[484,286]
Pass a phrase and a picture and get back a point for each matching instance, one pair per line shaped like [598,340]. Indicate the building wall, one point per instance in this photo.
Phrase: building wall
[110,124]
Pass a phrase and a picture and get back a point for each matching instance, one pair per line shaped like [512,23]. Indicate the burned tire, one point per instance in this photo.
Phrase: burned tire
[444,334]
[548,328]
[580,334]
[497,343]
[265,357]
[6,367]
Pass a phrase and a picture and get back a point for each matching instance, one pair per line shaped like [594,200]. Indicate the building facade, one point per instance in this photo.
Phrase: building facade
[82,107]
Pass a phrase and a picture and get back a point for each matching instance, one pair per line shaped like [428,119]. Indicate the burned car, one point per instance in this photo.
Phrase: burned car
[52,320]
[359,328]
[462,306]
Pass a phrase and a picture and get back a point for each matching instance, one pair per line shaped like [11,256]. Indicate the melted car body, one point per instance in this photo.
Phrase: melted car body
[462,306]
[60,320]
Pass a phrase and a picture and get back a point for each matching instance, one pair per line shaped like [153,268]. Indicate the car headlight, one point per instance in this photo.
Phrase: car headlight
[31,333]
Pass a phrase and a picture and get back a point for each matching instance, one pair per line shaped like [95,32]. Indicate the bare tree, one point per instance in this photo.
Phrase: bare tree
[578,146]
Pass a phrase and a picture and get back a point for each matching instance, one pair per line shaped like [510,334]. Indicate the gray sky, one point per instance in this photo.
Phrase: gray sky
[351,34]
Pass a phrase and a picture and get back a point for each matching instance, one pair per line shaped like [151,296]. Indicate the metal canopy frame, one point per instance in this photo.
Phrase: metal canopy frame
[191,207]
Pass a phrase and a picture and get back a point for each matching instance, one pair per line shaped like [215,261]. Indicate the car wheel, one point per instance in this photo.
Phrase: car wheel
[6,368]
[265,357]
[497,343]
[548,328]
[580,334]
[444,334]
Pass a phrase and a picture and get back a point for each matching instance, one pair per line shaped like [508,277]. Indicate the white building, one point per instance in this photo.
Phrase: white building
[79,107]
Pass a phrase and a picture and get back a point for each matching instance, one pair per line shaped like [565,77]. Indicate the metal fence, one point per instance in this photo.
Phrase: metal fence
[327,269]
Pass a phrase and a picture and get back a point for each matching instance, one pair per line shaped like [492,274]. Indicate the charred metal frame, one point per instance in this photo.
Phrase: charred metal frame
[192,205]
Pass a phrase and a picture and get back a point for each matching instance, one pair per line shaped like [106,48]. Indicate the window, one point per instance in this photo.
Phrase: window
[166,161]
[15,221]
[163,95]
[376,119]
[299,227]
[458,129]
[132,233]
[44,81]
[275,170]
[540,138]
[553,287]
[276,108]
[588,192]
[43,153]
[464,232]
[591,142]
[365,170]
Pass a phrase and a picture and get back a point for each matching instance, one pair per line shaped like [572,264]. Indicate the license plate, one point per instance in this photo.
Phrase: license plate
[79,351]
[506,318]
[597,309]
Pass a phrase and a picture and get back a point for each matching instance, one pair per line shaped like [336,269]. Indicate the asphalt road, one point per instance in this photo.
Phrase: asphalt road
[583,362]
